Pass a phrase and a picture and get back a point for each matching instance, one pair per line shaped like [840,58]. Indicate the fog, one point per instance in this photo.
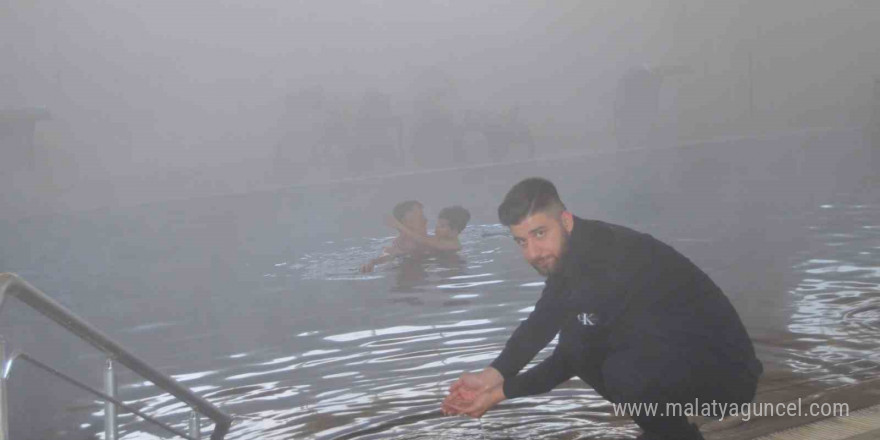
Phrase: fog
[734,130]
[146,101]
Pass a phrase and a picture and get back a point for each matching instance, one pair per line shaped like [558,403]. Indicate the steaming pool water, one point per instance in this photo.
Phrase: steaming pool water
[254,300]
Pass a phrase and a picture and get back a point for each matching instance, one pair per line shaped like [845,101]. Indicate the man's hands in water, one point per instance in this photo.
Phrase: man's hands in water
[474,393]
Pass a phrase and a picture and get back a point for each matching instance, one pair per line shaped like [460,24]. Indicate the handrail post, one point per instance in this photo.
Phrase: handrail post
[110,407]
[12,285]
[4,410]
[195,425]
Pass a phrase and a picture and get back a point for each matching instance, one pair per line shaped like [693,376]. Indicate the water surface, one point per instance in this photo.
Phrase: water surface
[254,300]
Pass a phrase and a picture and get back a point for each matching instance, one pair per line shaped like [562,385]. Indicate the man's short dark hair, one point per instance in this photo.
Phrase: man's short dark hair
[457,217]
[402,208]
[530,196]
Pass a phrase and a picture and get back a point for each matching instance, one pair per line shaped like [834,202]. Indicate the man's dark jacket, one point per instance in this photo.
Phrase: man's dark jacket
[619,289]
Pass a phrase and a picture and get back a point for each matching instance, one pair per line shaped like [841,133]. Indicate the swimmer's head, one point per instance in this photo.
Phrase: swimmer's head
[411,214]
[451,221]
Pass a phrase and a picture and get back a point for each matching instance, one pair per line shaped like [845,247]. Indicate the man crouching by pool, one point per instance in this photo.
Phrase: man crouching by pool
[636,320]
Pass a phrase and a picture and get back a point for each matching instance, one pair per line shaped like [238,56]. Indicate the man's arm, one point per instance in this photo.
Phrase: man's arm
[527,340]
[540,379]
[531,336]
[433,242]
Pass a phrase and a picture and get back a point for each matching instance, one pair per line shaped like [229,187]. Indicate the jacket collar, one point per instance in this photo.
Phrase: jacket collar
[576,254]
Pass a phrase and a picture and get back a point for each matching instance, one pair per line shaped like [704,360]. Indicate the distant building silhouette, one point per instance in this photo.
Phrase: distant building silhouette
[17,127]
[875,120]
[636,106]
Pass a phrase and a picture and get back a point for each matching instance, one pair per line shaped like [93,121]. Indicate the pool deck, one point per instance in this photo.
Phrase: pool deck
[860,425]
[861,421]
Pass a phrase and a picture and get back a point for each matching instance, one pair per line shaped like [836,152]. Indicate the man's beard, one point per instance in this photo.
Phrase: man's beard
[559,263]
[545,272]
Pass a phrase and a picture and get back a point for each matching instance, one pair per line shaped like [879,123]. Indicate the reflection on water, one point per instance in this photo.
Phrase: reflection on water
[375,358]
[278,328]
[837,302]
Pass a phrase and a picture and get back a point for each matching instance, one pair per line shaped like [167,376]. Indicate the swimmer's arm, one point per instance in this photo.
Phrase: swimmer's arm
[395,248]
[388,254]
[383,258]
[368,267]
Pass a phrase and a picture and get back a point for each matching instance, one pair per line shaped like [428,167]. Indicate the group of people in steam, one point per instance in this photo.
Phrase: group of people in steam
[635,319]
[409,219]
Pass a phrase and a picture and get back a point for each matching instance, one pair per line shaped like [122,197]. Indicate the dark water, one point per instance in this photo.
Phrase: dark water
[254,301]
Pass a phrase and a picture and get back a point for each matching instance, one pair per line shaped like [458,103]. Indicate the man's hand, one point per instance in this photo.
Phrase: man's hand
[479,404]
[467,390]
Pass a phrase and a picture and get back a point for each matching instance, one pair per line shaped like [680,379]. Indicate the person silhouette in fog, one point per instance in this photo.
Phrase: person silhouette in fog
[636,106]
[875,121]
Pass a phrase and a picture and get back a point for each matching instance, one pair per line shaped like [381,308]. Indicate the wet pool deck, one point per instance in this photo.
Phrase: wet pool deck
[862,421]
[860,425]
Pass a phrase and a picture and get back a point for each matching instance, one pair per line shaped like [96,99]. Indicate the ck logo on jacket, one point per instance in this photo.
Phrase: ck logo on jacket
[587,318]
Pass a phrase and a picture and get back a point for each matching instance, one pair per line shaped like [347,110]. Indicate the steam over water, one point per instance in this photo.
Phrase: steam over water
[254,301]
[201,180]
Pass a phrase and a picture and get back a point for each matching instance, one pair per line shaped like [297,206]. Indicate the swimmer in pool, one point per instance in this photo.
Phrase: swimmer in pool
[410,214]
[450,222]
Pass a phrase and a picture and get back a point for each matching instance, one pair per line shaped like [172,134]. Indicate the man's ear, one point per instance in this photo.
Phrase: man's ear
[567,220]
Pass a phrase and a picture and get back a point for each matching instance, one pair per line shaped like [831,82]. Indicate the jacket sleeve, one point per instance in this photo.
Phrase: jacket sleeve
[540,379]
[531,336]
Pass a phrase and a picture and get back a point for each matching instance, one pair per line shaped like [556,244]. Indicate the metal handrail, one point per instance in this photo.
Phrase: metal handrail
[13,285]
[67,378]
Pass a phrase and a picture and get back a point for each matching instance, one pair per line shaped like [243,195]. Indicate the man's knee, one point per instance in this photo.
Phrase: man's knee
[631,378]
[661,377]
